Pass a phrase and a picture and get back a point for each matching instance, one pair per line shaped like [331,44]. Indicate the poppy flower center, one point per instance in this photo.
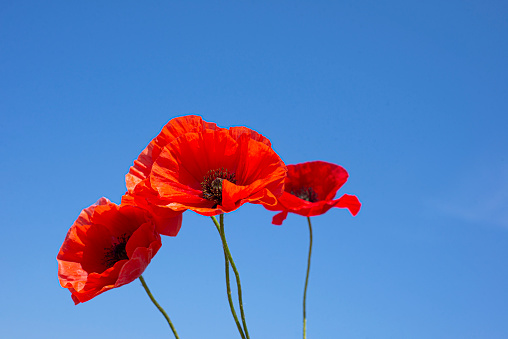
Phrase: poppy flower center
[305,193]
[116,252]
[212,184]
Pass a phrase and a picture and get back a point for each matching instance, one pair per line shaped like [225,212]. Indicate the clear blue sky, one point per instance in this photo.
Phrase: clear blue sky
[410,97]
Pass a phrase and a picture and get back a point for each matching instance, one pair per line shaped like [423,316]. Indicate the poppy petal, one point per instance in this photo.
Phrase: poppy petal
[236,132]
[167,221]
[172,130]
[348,201]
[279,218]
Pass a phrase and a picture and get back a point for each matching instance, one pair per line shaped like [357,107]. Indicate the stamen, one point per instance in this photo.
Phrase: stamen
[212,184]
[306,193]
[116,252]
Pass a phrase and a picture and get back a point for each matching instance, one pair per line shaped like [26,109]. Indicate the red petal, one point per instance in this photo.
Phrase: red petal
[167,221]
[279,218]
[172,130]
[348,201]
[119,220]
[144,236]
[237,131]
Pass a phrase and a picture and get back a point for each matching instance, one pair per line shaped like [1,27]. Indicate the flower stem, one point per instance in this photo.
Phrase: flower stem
[237,275]
[306,283]
[158,306]
[228,284]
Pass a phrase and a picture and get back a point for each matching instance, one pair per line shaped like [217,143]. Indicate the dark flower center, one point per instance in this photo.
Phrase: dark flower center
[116,252]
[305,193]
[212,184]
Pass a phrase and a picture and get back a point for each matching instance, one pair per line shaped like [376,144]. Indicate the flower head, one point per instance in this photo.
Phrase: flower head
[196,165]
[108,246]
[310,190]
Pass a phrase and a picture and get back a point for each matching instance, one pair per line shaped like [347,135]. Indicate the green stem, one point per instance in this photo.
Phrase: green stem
[306,283]
[158,306]
[237,275]
[228,284]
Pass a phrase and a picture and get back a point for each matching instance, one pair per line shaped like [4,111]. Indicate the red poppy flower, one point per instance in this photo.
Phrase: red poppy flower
[196,165]
[310,189]
[107,247]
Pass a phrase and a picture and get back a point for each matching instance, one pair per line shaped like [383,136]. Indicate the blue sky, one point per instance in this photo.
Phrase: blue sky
[409,97]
